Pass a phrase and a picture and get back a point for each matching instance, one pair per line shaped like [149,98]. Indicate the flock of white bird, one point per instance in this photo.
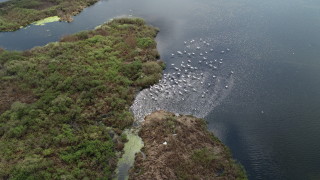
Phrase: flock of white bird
[184,79]
[191,81]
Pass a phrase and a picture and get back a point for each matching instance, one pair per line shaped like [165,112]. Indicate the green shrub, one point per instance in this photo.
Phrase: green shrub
[151,68]
[81,86]
[146,43]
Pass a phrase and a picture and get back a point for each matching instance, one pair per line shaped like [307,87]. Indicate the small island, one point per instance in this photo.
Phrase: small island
[181,147]
[15,14]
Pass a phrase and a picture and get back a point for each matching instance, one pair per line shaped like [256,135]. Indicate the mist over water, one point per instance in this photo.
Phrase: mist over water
[268,115]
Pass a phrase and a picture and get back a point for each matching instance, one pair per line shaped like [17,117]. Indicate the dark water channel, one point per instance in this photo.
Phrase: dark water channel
[269,112]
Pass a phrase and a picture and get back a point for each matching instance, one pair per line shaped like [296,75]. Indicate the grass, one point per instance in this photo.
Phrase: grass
[62,105]
[15,14]
[46,20]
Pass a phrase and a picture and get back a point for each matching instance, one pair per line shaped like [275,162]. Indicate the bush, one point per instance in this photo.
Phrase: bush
[151,68]
[146,43]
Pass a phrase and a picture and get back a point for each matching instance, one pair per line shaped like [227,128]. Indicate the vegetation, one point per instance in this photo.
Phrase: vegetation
[181,147]
[15,14]
[63,106]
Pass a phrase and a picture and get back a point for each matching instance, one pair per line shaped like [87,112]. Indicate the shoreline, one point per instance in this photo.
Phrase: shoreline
[19,14]
[181,147]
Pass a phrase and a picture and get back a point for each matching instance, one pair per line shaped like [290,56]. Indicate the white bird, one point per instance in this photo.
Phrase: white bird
[165,143]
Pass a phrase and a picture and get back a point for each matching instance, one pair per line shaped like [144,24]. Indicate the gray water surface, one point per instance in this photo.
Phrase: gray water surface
[269,114]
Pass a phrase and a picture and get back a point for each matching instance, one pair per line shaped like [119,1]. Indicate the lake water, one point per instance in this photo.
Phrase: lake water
[268,114]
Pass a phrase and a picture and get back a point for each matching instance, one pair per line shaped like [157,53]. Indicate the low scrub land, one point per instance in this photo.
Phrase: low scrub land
[181,147]
[63,106]
[15,14]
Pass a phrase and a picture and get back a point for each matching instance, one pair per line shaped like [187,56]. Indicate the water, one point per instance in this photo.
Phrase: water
[130,149]
[269,114]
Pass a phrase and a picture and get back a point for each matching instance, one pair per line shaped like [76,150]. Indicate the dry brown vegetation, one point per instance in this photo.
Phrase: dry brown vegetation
[10,93]
[191,151]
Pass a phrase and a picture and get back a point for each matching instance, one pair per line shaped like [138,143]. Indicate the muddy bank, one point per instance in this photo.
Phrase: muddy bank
[181,147]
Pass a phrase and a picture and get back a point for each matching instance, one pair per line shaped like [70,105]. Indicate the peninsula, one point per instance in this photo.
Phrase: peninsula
[181,147]
[63,106]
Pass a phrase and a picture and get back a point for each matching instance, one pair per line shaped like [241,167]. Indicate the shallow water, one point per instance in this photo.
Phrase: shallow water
[268,115]
[130,149]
